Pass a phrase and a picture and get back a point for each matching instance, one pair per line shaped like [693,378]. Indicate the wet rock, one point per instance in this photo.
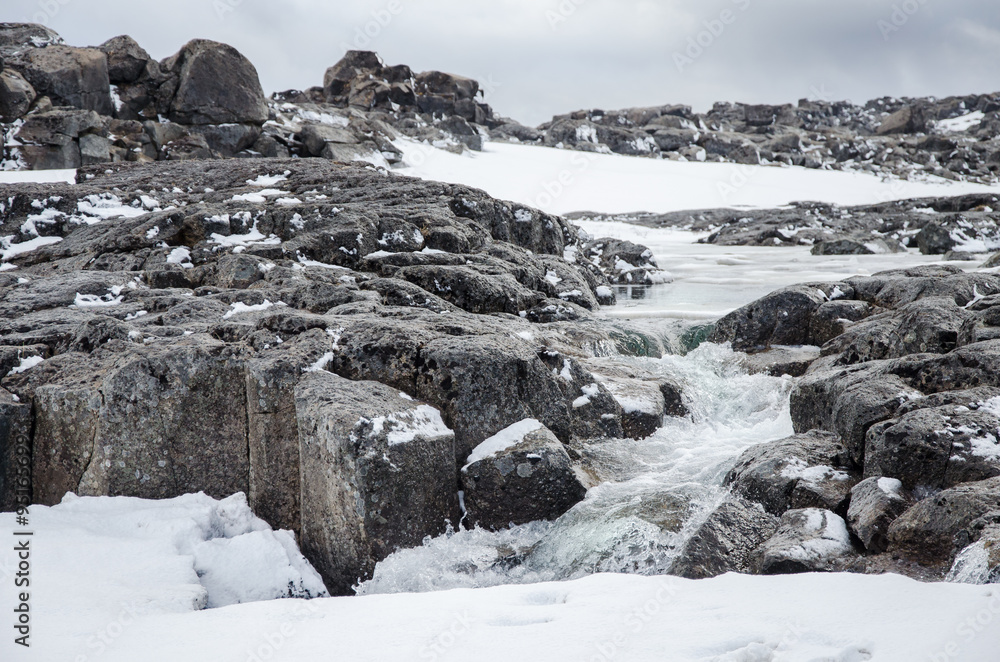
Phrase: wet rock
[726,541]
[927,532]
[780,318]
[805,471]
[521,474]
[876,502]
[782,360]
[625,262]
[377,474]
[834,318]
[809,540]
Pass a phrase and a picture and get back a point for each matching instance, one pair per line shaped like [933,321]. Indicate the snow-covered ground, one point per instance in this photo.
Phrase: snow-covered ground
[562,181]
[41,176]
[118,580]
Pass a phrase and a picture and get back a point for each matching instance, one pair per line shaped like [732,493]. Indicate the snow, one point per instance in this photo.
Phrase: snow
[37,176]
[321,363]
[182,256]
[25,364]
[403,427]
[12,250]
[832,538]
[107,205]
[253,237]
[560,181]
[94,301]
[796,468]
[960,124]
[501,441]
[991,406]
[239,307]
[267,181]
[891,487]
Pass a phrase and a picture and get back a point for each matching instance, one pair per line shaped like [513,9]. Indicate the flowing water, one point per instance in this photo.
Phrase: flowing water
[653,493]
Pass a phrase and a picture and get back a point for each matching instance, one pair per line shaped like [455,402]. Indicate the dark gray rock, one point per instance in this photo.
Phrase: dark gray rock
[127,61]
[935,447]
[521,475]
[16,96]
[69,76]
[725,542]
[927,532]
[15,452]
[26,35]
[809,540]
[876,502]
[780,318]
[833,318]
[216,84]
[805,471]
[377,474]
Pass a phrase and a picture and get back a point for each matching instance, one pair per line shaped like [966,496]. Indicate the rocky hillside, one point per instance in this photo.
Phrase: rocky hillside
[63,106]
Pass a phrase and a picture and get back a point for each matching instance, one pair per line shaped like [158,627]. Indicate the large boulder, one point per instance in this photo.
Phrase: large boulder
[14,36]
[52,140]
[809,540]
[875,504]
[805,471]
[726,541]
[68,76]
[216,84]
[127,60]
[780,318]
[930,531]
[16,95]
[935,447]
[519,475]
[377,474]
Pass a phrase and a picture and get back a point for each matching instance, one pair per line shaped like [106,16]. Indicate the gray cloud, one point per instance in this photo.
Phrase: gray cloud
[553,56]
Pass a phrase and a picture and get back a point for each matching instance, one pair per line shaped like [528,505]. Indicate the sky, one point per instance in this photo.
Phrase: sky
[537,58]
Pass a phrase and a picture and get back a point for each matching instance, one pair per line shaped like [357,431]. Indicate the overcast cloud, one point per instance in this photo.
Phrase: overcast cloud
[541,57]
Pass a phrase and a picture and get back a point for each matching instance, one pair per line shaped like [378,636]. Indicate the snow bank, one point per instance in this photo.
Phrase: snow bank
[560,181]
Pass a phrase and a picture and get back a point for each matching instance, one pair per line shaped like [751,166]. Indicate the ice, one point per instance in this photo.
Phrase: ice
[501,441]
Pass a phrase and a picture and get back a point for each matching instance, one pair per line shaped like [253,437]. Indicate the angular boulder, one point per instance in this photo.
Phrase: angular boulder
[875,505]
[519,475]
[377,474]
[69,76]
[809,540]
[726,541]
[216,84]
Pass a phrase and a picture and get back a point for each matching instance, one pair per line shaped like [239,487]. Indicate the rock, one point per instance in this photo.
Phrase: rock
[15,452]
[16,96]
[473,290]
[519,475]
[848,402]
[935,447]
[315,137]
[780,318]
[51,138]
[930,325]
[876,502]
[850,246]
[355,64]
[69,76]
[906,120]
[464,132]
[725,542]
[927,532]
[805,471]
[782,360]
[979,563]
[21,35]
[809,540]
[992,262]
[94,149]
[834,318]
[626,262]
[935,239]
[227,140]
[127,61]
[377,474]
[436,83]
[215,85]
